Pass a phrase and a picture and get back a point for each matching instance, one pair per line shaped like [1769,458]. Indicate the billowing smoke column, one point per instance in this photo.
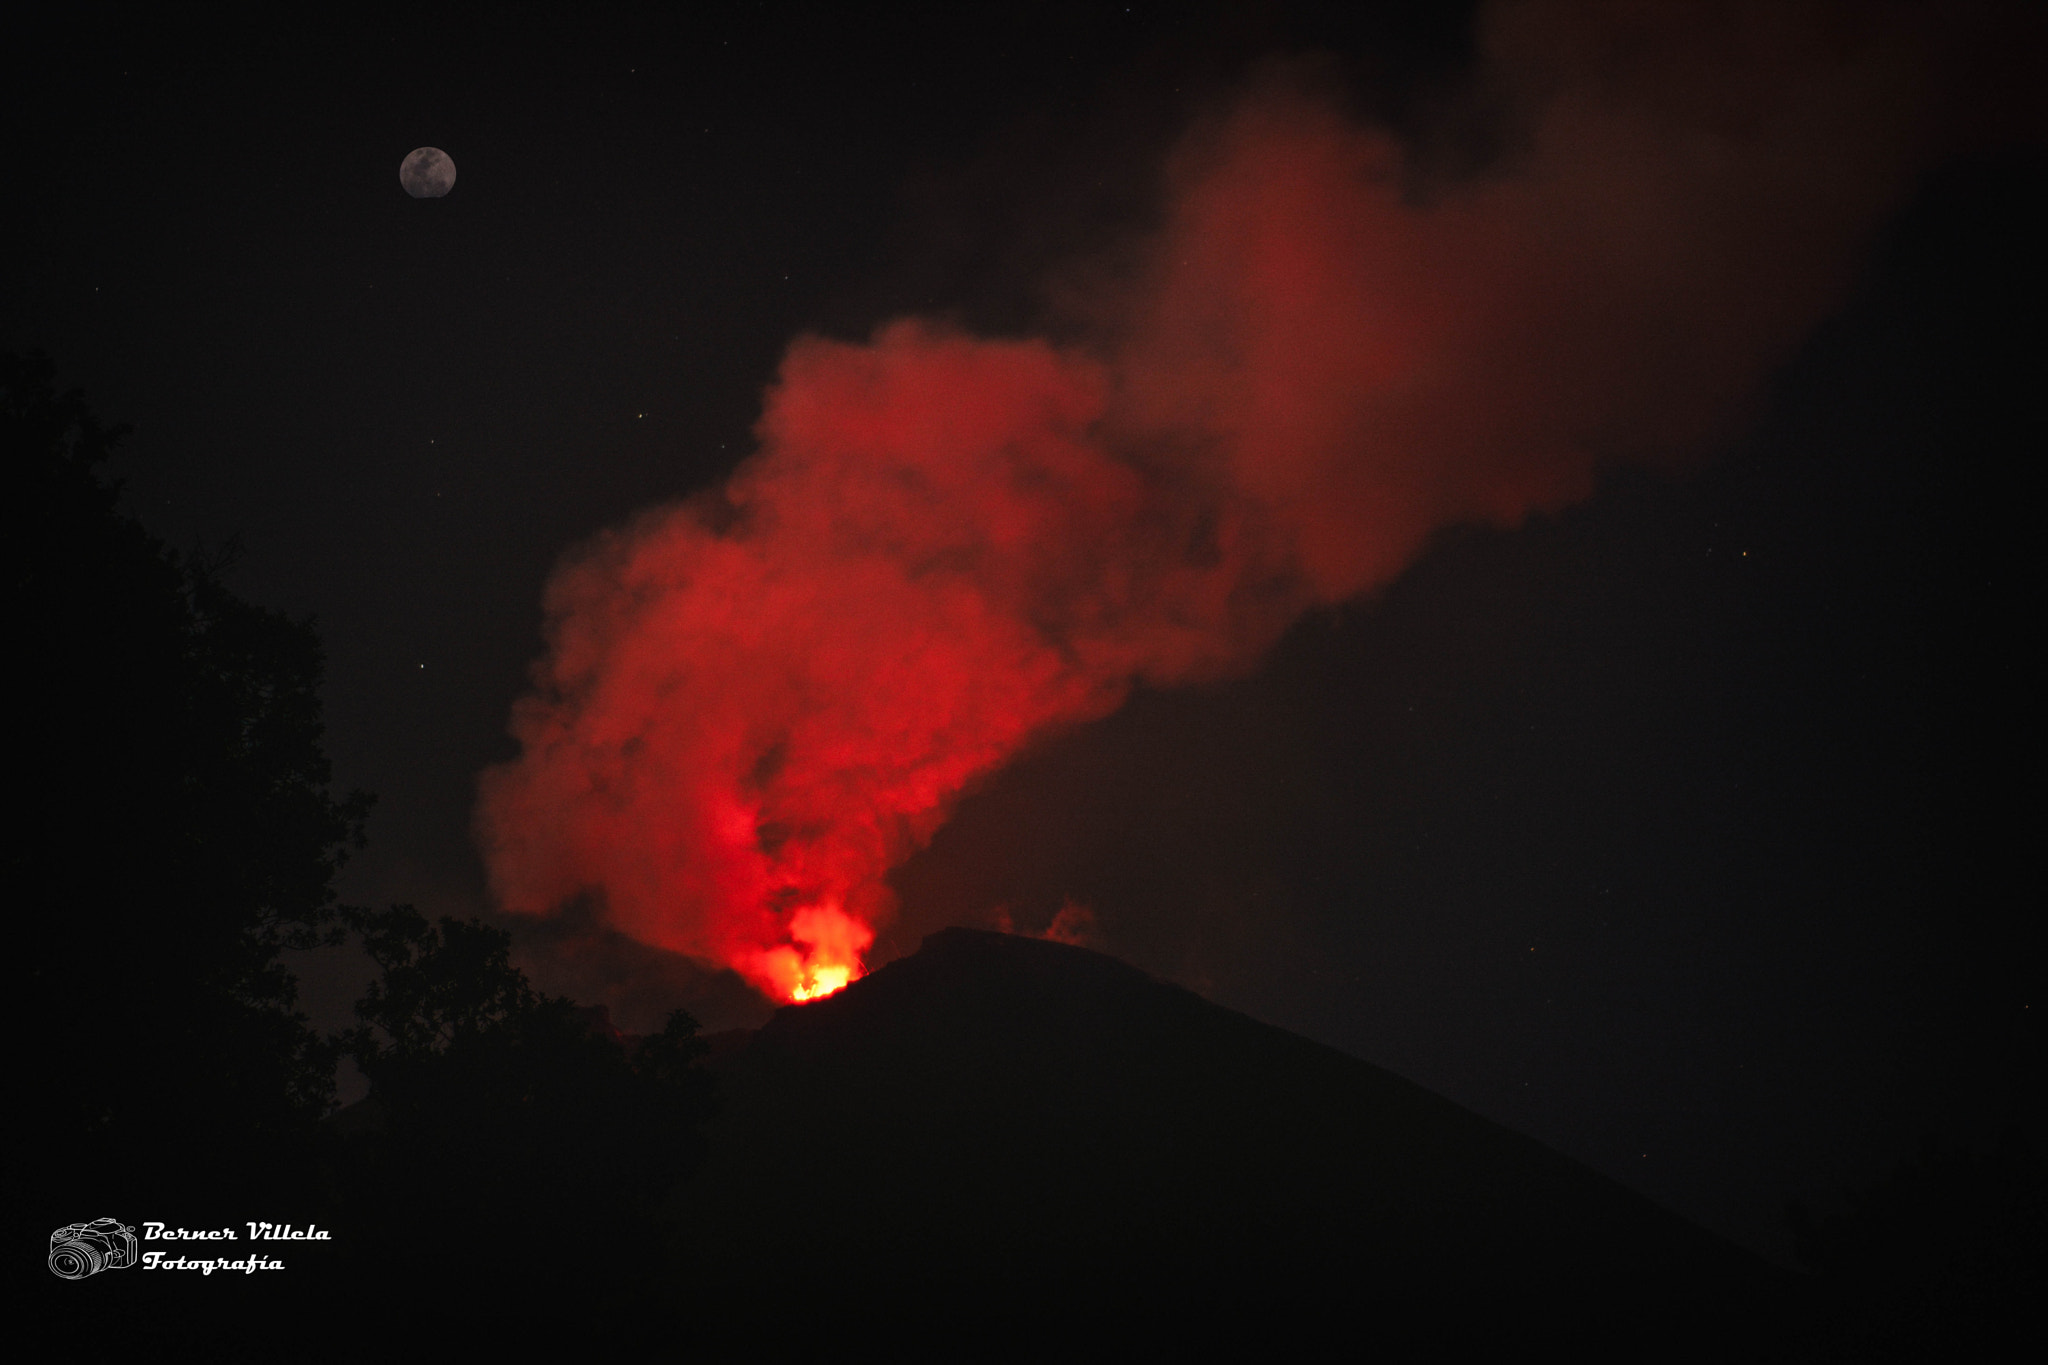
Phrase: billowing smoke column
[757,702]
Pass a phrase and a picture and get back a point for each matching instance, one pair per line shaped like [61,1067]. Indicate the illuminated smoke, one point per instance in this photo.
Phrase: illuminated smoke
[755,703]
[1075,924]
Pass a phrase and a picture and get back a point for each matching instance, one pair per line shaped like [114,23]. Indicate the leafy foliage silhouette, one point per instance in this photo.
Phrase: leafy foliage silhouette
[179,841]
[180,835]
[522,1095]
[519,1118]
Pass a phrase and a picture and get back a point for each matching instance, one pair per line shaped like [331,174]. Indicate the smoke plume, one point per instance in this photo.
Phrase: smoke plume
[755,703]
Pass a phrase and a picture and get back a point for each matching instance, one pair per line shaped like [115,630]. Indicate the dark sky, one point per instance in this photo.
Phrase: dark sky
[1688,829]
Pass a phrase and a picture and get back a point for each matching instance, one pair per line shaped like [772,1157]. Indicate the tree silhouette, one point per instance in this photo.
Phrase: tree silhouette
[178,834]
[176,838]
[521,1119]
[444,989]
[489,1094]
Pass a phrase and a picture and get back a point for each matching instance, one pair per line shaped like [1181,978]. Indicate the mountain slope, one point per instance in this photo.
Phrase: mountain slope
[1023,1139]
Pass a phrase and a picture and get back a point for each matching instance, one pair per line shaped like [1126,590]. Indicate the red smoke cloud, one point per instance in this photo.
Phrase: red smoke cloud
[757,702]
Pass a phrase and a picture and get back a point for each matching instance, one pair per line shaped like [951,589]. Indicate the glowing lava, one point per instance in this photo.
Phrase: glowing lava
[822,982]
[823,956]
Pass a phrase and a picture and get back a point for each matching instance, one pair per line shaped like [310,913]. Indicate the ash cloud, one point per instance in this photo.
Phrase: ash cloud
[755,703]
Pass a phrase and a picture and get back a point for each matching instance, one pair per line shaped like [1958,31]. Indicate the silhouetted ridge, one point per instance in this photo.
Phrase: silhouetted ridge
[995,1116]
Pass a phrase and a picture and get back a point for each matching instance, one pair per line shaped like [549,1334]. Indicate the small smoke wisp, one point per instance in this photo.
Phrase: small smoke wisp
[757,702]
[1075,925]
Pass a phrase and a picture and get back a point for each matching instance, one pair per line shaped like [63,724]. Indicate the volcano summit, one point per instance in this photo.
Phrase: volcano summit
[1015,1141]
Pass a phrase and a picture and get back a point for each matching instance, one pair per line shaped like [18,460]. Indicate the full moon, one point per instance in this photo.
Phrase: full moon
[427,173]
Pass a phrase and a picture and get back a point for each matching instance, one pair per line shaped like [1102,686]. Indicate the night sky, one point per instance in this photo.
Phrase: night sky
[1688,828]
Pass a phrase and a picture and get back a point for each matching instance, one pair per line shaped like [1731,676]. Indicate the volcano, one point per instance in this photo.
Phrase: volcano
[1012,1144]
